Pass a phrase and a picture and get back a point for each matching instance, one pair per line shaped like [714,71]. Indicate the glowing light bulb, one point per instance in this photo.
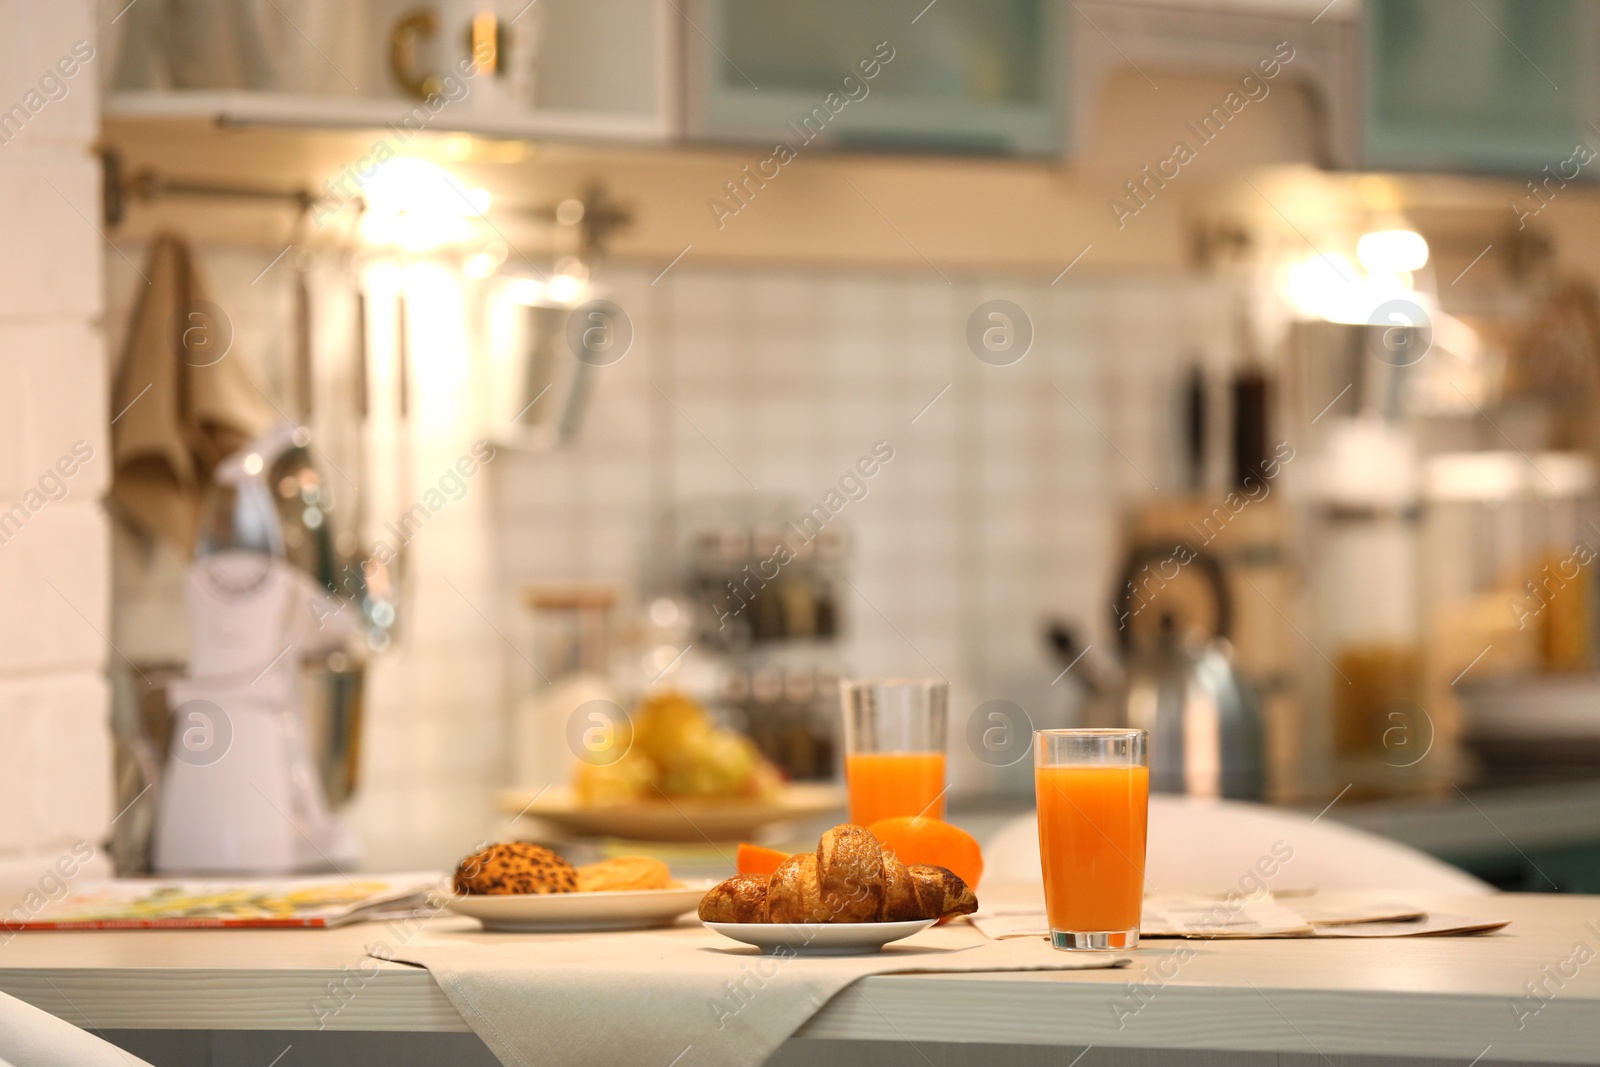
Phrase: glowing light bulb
[1318,287]
[479,265]
[418,206]
[529,291]
[564,288]
[1392,251]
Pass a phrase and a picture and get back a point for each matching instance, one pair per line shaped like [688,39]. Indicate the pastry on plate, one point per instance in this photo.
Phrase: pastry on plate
[900,900]
[940,892]
[850,875]
[514,867]
[623,873]
[741,899]
[849,879]
[794,892]
[673,748]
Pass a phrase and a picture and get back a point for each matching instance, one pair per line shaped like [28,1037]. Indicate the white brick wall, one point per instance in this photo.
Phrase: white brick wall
[54,579]
[37,37]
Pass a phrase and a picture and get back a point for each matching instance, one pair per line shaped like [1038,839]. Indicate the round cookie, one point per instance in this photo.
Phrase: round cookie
[515,867]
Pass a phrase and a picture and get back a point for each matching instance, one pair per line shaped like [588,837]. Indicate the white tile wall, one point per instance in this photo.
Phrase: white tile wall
[1000,507]
[54,576]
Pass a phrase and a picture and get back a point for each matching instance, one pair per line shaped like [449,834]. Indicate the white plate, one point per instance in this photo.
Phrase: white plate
[628,909]
[680,819]
[820,939]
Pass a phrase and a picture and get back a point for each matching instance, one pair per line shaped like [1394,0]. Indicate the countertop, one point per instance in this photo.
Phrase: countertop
[1425,997]
[1484,820]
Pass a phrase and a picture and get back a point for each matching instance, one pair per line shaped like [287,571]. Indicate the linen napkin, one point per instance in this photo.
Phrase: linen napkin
[685,996]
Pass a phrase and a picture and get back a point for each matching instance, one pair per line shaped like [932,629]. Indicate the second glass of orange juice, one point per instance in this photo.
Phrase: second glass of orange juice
[1093,792]
[894,738]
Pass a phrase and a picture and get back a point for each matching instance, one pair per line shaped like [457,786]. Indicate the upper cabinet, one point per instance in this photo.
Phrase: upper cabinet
[610,58]
[560,69]
[1309,45]
[1471,86]
[958,76]
[1493,86]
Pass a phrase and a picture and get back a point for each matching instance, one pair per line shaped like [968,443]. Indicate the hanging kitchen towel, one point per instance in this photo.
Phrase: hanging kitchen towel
[181,400]
[682,994]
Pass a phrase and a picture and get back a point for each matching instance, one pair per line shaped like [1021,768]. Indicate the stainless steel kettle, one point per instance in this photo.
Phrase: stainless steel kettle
[1173,613]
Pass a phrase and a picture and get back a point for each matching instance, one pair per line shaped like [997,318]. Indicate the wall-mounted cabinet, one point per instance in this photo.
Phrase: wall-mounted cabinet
[604,70]
[1492,86]
[1486,86]
[955,76]
[1228,40]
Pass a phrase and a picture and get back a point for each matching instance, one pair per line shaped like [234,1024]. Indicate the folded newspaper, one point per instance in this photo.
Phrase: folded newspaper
[158,904]
[1208,918]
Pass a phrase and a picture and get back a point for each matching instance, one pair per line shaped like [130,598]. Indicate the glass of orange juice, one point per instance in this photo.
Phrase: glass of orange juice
[1093,792]
[894,734]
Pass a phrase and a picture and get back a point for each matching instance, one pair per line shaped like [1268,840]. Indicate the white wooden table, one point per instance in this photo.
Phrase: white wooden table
[1423,1000]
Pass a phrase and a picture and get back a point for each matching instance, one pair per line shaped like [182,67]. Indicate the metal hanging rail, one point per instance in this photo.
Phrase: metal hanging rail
[147,185]
[596,214]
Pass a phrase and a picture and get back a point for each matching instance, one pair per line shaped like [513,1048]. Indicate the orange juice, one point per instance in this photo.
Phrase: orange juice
[886,784]
[1091,843]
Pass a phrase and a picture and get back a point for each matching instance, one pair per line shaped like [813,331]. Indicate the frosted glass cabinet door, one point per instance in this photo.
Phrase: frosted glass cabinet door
[1502,86]
[979,76]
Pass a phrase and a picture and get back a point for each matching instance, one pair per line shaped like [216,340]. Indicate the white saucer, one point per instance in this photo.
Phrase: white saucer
[820,939]
[628,909]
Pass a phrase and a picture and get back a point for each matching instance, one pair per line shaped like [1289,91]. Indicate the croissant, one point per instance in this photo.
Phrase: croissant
[941,893]
[794,892]
[850,878]
[850,875]
[741,899]
[900,901]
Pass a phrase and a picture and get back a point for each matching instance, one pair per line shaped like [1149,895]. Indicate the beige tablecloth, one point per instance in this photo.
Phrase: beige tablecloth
[684,997]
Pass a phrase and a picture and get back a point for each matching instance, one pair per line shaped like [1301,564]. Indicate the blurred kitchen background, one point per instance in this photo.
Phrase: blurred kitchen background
[1232,364]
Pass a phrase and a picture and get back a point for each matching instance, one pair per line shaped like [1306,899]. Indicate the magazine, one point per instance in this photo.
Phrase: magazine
[163,904]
